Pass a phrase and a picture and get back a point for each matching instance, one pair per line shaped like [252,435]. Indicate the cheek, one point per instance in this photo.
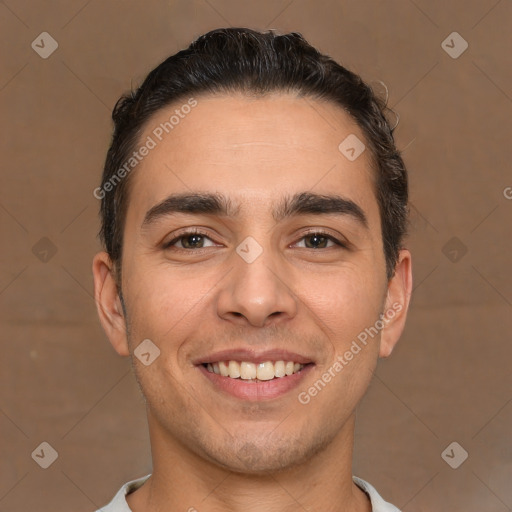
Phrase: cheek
[347,311]
[163,302]
[346,302]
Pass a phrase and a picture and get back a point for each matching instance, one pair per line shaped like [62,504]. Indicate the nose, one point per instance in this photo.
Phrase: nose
[257,293]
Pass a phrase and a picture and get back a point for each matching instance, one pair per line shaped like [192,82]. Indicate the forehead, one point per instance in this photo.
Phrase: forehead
[250,148]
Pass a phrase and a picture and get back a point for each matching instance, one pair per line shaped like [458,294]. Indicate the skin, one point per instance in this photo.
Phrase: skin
[212,451]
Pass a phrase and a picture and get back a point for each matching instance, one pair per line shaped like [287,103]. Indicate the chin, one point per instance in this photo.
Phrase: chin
[267,454]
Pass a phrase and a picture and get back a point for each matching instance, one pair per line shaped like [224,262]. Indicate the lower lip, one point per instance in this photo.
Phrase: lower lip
[260,390]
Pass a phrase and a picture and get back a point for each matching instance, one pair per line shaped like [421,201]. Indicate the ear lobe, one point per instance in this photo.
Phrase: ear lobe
[108,303]
[396,304]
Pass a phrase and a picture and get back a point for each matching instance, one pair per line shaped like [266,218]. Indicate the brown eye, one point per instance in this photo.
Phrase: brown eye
[318,241]
[189,240]
[192,241]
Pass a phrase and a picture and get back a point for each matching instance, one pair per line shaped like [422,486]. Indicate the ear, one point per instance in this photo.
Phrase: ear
[396,303]
[108,303]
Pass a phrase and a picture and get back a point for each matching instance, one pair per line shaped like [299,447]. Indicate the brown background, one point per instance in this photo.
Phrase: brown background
[448,380]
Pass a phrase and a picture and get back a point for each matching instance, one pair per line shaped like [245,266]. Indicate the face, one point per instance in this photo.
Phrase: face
[277,268]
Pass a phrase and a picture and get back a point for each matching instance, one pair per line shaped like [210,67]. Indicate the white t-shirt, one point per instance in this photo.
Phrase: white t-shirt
[118,504]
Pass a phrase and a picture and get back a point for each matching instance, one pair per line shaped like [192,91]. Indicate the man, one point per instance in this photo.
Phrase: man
[253,213]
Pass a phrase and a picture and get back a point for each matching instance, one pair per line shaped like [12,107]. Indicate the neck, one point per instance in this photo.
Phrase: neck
[183,480]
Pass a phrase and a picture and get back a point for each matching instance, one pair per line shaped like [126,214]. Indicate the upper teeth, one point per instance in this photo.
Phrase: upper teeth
[261,371]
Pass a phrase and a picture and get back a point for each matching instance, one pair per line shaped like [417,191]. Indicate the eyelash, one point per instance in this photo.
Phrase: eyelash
[186,234]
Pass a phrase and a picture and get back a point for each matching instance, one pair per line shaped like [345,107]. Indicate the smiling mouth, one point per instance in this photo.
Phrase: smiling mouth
[254,372]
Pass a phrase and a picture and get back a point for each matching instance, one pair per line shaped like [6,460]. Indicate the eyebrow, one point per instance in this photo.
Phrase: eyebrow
[302,203]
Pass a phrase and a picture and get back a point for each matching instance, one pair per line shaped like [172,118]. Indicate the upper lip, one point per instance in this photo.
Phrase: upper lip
[252,356]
